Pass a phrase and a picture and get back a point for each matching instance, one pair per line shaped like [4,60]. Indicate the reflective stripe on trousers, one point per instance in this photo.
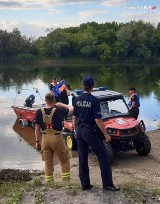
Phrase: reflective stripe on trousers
[51,144]
[49,178]
[65,176]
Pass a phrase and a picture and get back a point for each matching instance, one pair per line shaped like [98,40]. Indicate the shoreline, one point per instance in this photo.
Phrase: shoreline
[138,177]
[77,61]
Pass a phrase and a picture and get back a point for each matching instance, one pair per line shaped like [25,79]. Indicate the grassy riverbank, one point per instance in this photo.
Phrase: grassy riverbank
[36,192]
[138,177]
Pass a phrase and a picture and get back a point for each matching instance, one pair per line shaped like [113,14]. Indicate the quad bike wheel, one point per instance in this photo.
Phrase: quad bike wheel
[145,146]
[109,150]
[71,142]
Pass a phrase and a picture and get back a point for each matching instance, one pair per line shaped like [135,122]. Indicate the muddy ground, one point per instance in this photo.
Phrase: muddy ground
[128,168]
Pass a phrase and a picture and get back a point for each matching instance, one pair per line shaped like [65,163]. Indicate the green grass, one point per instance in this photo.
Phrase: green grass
[12,191]
[71,186]
[135,192]
[38,196]
[140,192]
[9,188]
[37,182]
[63,185]
[156,194]
[157,191]
[5,188]
[54,185]
[15,198]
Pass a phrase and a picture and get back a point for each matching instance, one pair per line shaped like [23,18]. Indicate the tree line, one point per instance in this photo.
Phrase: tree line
[135,41]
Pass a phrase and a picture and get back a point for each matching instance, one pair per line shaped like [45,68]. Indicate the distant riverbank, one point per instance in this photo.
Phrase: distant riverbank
[74,61]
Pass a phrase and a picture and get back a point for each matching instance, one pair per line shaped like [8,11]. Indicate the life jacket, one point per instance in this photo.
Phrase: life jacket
[58,88]
[62,88]
[47,120]
[137,102]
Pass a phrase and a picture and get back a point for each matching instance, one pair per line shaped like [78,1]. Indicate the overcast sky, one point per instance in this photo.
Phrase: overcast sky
[33,18]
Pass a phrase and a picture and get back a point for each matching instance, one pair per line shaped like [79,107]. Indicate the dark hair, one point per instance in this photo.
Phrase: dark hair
[68,86]
[50,98]
[132,89]
[87,88]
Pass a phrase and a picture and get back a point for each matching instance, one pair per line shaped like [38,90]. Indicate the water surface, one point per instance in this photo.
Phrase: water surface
[17,145]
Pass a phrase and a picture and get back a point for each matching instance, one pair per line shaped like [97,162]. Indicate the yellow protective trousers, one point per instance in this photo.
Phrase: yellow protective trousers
[53,142]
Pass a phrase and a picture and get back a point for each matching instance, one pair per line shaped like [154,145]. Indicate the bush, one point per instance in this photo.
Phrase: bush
[25,57]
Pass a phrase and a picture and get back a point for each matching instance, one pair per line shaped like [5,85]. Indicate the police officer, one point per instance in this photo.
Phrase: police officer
[49,122]
[134,103]
[87,112]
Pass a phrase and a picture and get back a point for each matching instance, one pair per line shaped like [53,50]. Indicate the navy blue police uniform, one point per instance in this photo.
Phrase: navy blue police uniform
[86,110]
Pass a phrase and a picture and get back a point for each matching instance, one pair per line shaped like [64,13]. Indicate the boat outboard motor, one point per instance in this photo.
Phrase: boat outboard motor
[29,101]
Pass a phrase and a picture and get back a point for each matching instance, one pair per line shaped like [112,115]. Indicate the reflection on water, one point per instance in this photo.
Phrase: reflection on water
[16,153]
[17,145]
[26,133]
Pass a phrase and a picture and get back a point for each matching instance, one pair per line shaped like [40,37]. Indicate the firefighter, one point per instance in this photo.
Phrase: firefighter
[62,90]
[134,103]
[49,122]
[88,113]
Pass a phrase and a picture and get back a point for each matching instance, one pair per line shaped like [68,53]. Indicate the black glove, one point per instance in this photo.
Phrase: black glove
[39,147]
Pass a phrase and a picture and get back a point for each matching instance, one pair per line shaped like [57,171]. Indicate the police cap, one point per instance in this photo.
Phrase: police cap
[88,81]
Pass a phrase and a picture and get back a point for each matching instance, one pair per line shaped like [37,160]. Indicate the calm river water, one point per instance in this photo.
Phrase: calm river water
[17,145]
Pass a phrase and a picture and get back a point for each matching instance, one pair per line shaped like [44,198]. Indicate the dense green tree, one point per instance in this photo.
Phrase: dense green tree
[13,44]
[157,41]
[104,52]
[4,45]
[137,39]
[125,35]
[109,42]
[87,43]
[56,43]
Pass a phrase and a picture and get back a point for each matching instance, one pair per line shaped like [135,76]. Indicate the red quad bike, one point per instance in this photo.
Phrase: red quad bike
[126,132]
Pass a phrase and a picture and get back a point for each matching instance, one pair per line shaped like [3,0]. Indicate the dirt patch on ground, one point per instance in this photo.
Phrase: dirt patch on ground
[78,196]
[127,168]
[14,175]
